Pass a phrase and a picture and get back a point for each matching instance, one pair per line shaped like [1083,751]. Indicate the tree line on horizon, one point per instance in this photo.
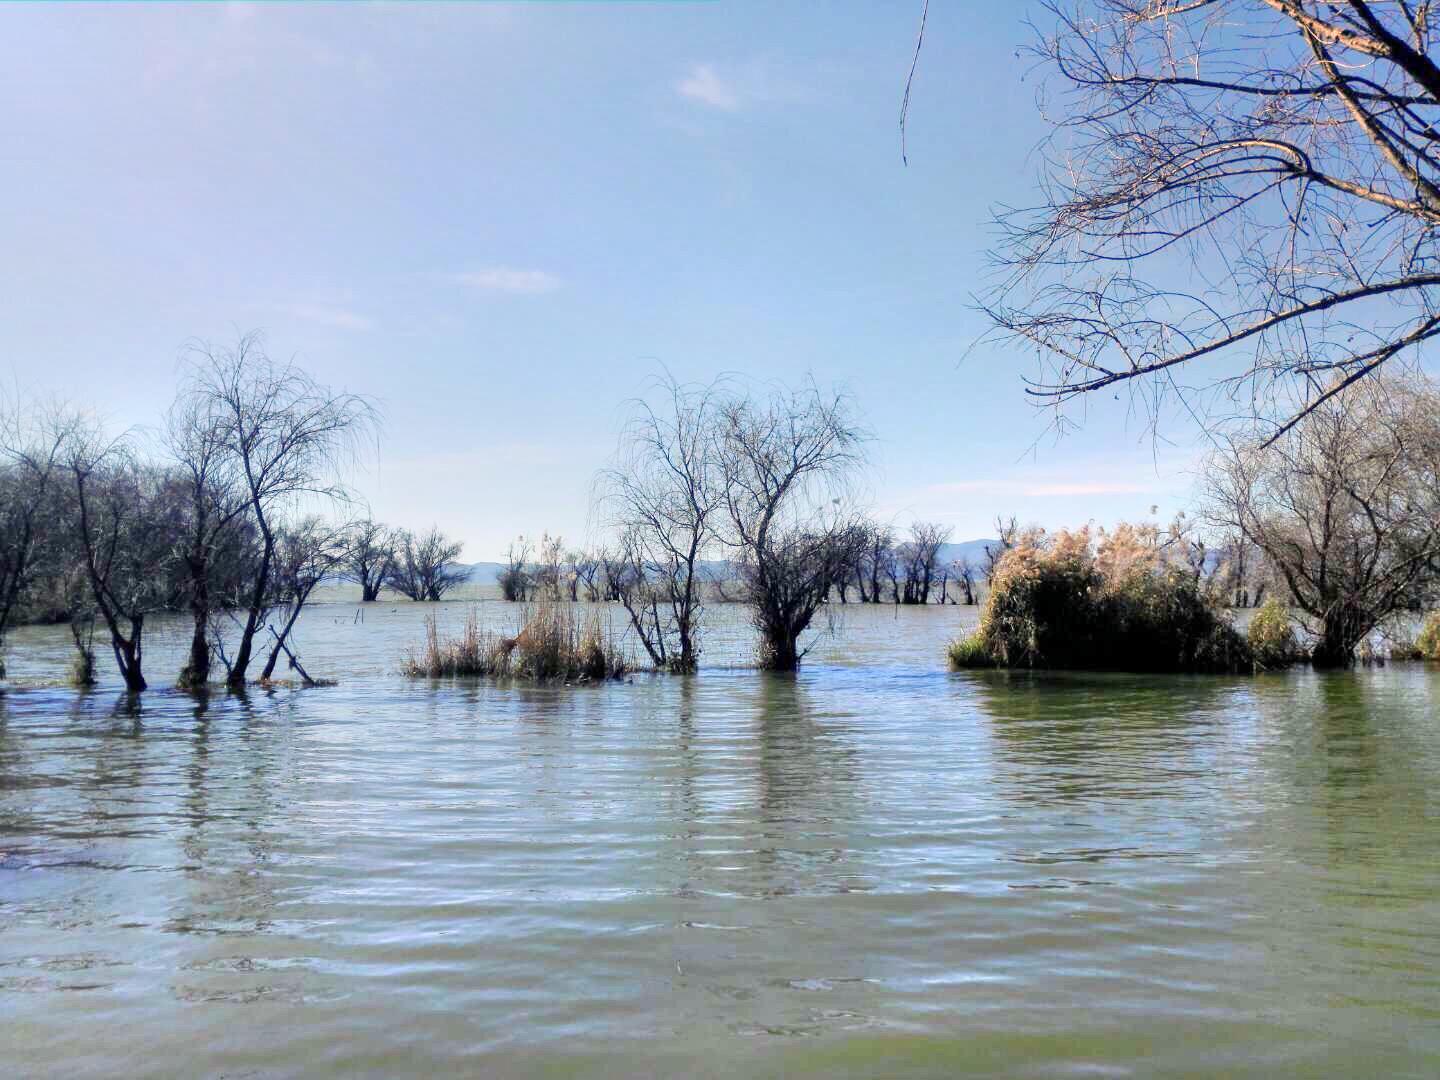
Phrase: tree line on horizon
[216,518]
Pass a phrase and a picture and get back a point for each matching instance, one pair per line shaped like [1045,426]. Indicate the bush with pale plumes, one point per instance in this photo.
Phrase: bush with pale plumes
[1088,600]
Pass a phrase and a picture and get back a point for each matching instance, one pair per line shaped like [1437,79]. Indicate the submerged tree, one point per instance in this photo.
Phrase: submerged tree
[286,436]
[515,579]
[784,464]
[126,526]
[425,567]
[1248,188]
[305,555]
[370,557]
[210,490]
[920,557]
[873,559]
[33,445]
[1345,506]
[664,495]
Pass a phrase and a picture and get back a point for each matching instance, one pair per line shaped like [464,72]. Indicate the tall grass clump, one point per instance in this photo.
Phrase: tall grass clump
[1271,638]
[1115,602]
[554,641]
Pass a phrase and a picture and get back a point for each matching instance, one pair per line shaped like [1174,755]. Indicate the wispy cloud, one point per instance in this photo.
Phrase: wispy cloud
[760,80]
[705,85]
[1040,490]
[509,280]
[326,315]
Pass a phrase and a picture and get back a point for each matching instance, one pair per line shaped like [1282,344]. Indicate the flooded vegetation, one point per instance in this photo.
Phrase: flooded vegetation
[875,866]
[779,766]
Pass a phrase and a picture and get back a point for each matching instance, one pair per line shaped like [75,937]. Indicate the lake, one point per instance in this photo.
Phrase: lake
[876,868]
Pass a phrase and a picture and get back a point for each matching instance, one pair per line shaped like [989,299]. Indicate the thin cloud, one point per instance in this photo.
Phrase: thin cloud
[509,280]
[1061,491]
[705,85]
[324,315]
[1043,490]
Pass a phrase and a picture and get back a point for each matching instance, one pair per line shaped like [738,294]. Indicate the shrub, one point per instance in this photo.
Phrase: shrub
[1271,638]
[553,643]
[1428,643]
[1066,602]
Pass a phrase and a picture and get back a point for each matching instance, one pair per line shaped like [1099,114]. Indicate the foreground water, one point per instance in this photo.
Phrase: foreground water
[877,868]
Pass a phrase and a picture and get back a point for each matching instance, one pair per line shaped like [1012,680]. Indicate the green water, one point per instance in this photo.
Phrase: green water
[878,868]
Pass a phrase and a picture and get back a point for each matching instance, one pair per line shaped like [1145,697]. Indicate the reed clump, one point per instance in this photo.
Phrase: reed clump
[1112,601]
[555,641]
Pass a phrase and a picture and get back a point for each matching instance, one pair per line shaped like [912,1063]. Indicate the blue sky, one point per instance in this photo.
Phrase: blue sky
[500,221]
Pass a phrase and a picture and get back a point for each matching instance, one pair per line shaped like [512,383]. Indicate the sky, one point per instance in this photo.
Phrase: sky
[502,222]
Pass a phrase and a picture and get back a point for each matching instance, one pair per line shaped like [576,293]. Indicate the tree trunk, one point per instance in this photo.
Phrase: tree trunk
[1342,631]
[196,671]
[128,655]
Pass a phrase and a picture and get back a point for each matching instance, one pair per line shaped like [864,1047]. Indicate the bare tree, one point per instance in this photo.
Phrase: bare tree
[784,463]
[1007,535]
[965,574]
[287,436]
[33,445]
[424,567]
[213,500]
[919,557]
[1346,508]
[550,567]
[127,528]
[515,580]
[663,494]
[874,559]
[305,555]
[586,576]
[1248,188]
[370,557]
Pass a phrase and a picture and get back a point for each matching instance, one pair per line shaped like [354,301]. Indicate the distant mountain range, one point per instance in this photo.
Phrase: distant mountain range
[973,550]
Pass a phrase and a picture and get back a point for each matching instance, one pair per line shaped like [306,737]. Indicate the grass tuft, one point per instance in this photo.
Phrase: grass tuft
[554,642]
[970,652]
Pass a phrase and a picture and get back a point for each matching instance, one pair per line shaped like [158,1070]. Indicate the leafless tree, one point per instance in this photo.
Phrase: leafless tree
[550,567]
[874,560]
[1346,508]
[663,493]
[305,555]
[516,580]
[33,445]
[370,557]
[585,576]
[1007,535]
[965,575]
[785,463]
[1248,189]
[287,436]
[127,529]
[213,501]
[424,567]
[919,557]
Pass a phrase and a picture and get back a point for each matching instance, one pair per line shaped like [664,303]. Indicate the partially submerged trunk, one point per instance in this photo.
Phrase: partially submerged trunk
[1342,630]
[129,653]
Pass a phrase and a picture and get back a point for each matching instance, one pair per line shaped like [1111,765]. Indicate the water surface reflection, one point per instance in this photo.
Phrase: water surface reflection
[875,867]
